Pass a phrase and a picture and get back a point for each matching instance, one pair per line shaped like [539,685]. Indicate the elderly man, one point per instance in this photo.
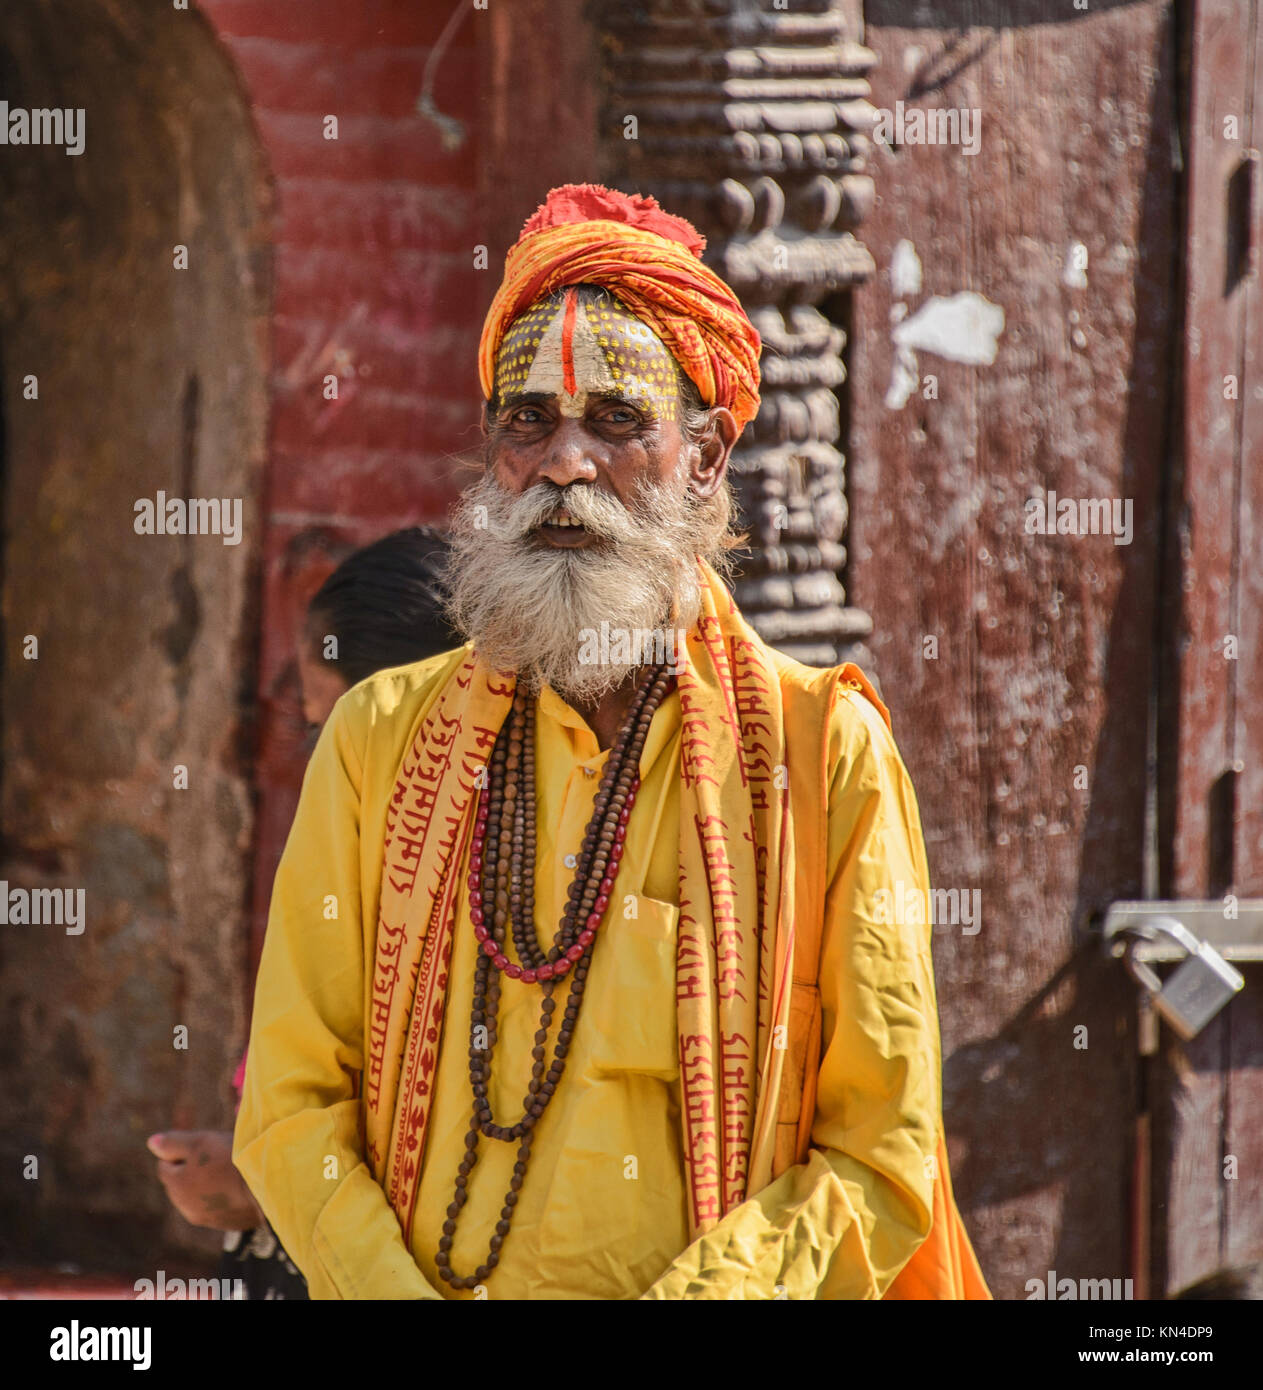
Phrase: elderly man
[588,973]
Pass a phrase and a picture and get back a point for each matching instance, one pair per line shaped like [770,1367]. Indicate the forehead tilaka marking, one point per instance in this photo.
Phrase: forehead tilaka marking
[572,347]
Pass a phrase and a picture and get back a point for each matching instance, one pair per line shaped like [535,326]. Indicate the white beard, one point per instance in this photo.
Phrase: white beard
[526,605]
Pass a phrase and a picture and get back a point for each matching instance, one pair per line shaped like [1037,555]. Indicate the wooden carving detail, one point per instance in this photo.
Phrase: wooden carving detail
[754,123]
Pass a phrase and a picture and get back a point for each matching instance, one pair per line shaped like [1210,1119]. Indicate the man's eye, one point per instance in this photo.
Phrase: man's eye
[528,415]
[621,416]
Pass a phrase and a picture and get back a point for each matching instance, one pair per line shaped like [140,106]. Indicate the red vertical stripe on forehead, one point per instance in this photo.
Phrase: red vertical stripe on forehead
[567,344]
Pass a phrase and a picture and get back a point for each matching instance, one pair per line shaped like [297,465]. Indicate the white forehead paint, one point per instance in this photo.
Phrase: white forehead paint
[590,370]
[571,349]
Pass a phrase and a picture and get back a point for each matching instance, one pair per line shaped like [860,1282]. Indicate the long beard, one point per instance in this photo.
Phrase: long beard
[531,608]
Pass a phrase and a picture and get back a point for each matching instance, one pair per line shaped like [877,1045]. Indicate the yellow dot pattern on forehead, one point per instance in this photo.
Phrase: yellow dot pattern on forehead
[521,341]
[630,357]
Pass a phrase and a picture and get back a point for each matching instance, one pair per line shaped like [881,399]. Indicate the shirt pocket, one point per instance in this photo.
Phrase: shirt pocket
[629,1012]
[799,1077]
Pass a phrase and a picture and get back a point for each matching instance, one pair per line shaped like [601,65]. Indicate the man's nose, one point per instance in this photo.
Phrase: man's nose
[566,459]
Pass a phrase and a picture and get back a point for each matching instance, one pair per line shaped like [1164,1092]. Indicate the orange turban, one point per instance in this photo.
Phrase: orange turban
[584,234]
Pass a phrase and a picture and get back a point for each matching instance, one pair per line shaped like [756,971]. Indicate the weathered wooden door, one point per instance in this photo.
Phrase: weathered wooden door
[1206,1096]
[1071,306]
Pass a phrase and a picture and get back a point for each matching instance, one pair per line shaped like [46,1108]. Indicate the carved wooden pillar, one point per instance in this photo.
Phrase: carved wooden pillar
[752,121]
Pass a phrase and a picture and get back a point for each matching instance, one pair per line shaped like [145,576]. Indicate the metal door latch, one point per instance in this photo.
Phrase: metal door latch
[1203,982]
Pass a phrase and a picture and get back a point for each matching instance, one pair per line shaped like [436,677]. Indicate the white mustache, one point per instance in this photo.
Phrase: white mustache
[599,512]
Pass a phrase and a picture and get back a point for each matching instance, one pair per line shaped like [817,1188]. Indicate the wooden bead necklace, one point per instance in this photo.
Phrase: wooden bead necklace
[502,902]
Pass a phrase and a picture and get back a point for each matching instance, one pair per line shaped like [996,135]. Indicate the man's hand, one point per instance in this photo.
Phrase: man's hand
[195,1166]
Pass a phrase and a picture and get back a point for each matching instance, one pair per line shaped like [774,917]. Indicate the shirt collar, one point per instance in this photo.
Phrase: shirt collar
[666,721]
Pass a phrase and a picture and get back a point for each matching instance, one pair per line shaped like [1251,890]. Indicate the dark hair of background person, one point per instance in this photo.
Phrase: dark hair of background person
[384,604]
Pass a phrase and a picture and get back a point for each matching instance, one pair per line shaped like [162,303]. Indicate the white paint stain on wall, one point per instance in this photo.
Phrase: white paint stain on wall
[903,379]
[1075,275]
[905,271]
[964,327]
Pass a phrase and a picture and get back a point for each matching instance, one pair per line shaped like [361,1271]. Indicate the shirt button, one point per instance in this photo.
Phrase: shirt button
[590,771]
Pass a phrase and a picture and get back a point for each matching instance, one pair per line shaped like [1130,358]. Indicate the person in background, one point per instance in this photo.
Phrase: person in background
[381,607]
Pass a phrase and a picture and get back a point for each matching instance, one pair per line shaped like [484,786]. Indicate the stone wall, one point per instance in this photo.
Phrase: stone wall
[127,657]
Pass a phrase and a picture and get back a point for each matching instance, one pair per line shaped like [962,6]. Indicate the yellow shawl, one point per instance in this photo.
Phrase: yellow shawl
[746,1102]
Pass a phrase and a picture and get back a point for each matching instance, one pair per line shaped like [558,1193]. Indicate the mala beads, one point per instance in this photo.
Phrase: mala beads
[502,905]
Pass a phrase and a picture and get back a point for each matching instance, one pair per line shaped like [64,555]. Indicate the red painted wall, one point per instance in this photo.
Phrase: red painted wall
[374,282]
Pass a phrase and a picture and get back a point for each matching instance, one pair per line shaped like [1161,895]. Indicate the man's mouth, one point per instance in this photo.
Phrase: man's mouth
[564,529]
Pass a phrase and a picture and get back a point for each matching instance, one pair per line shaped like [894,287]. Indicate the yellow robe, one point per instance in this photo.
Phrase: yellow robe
[602,1213]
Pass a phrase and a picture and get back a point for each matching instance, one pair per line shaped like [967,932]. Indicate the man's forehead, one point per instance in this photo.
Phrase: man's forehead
[571,346]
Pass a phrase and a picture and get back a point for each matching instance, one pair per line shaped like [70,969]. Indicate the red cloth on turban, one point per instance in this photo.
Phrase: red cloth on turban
[584,234]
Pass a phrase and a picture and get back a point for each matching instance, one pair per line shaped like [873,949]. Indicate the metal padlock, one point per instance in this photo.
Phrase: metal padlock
[1198,987]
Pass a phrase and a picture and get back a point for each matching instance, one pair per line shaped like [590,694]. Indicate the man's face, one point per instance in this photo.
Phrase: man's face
[585,427]
[585,393]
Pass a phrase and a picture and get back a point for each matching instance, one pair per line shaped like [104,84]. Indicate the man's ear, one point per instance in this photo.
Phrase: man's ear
[708,458]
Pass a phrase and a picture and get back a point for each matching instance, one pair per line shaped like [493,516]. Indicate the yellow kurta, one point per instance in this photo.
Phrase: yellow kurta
[602,1212]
